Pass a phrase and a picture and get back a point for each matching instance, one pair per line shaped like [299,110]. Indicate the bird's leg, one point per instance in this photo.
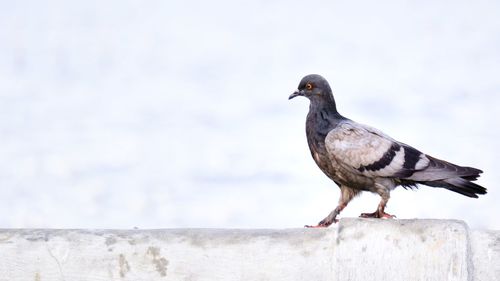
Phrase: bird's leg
[331,218]
[379,213]
[346,194]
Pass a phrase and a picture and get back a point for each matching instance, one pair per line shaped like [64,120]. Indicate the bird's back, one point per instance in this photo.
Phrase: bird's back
[363,154]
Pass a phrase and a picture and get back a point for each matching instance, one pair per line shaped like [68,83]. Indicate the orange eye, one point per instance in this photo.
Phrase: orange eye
[309,86]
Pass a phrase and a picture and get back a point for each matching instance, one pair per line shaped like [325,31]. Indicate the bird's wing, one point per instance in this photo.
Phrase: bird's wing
[367,151]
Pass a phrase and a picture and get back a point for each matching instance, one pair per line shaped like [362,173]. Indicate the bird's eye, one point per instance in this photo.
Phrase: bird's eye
[309,86]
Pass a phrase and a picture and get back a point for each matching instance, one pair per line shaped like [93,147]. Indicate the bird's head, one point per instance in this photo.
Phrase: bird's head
[315,88]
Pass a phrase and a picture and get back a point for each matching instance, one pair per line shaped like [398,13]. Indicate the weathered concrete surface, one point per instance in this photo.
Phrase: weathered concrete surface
[485,247]
[402,250]
[188,254]
[356,249]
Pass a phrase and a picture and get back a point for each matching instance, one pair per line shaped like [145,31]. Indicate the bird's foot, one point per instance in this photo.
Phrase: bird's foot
[378,215]
[316,226]
[322,224]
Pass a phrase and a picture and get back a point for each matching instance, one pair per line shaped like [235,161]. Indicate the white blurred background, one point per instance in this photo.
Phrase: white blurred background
[155,114]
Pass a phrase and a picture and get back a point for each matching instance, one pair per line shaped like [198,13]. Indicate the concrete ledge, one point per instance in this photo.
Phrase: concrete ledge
[357,249]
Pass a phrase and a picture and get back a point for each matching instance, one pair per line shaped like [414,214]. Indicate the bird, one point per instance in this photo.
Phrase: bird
[359,158]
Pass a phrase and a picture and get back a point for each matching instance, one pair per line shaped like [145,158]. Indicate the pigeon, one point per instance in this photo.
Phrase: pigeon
[360,158]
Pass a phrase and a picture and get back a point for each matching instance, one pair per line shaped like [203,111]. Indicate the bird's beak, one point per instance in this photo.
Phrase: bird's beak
[295,94]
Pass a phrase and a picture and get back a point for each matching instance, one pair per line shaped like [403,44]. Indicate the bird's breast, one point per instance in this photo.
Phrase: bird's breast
[316,142]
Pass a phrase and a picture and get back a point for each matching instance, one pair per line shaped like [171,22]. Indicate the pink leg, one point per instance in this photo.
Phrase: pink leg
[379,213]
[331,218]
[346,195]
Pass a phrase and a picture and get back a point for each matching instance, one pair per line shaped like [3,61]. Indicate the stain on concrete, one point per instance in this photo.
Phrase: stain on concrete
[6,239]
[418,230]
[37,276]
[338,239]
[495,244]
[305,253]
[396,241]
[38,236]
[110,241]
[124,266]
[206,239]
[196,239]
[158,261]
[138,239]
[454,265]
[358,235]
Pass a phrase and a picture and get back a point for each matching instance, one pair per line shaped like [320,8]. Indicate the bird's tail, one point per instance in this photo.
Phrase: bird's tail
[458,179]
[459,185]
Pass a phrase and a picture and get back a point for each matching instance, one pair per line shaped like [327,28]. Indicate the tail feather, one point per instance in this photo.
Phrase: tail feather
[455,178]
[442,166]
[459,185]
[470,178]
[440,170]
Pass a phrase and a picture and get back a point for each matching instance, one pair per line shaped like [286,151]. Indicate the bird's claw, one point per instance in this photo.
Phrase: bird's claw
[316,226]
[378,215]
[322,224]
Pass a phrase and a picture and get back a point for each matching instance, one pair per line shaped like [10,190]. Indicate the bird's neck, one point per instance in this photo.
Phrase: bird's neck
[322,118]
[323,104]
